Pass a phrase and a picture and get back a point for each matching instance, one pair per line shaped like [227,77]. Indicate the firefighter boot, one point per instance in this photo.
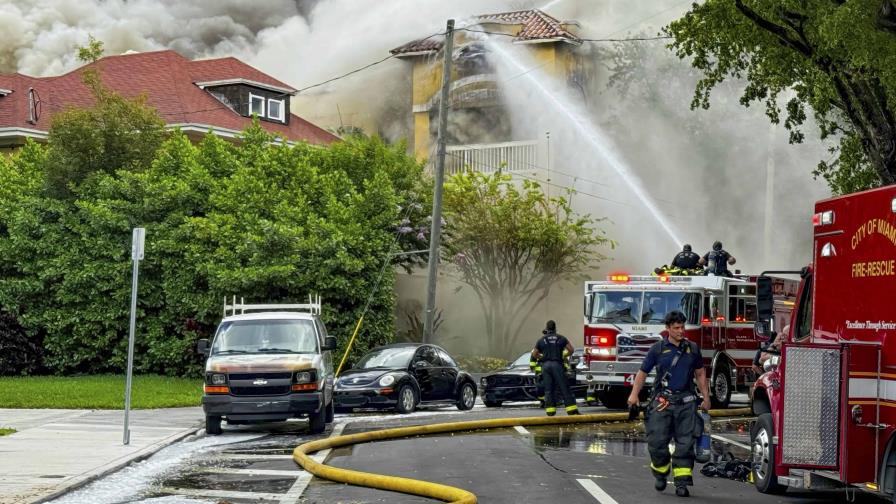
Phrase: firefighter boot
[660,483]
[682,491]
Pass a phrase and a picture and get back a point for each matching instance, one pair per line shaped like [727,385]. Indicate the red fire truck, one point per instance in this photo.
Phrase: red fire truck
[826,410]
[624,317]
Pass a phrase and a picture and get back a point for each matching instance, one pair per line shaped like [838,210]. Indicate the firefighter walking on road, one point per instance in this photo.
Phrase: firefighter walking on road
[549,351]
[672,412]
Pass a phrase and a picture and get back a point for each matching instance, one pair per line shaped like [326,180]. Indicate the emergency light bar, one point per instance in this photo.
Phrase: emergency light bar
[313,306]
[823,218]
[619,278]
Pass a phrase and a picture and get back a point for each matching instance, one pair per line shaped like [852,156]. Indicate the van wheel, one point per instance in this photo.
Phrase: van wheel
[331,412]
[213,425]
[763,456]
[318,421]
[721,388]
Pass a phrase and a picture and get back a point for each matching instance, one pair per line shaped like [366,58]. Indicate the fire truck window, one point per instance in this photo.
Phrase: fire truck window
[658,304]
[742,309]
[617,307]
[804,321]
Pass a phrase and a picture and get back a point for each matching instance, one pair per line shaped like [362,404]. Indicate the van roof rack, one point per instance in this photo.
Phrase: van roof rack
[313,306]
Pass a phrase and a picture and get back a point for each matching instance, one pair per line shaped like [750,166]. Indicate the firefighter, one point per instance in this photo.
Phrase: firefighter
[686,259]
[717,260]
[535,366]
[673,405]
[549,351]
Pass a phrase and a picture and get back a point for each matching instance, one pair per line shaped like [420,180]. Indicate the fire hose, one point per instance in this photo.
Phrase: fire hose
[432,490]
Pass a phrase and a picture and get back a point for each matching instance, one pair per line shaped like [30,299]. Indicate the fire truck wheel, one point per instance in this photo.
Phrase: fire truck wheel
[763,456]
[721,388]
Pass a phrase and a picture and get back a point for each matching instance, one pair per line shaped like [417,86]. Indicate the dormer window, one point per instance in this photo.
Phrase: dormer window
[256,105]
[275,109]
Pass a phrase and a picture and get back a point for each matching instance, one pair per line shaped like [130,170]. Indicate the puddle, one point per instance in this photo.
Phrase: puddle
[135,480]
[233,482]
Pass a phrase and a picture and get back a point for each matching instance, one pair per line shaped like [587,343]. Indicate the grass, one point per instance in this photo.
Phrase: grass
[98,392]
[6,432]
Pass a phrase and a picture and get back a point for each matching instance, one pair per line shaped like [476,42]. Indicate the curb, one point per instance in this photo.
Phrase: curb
[114,466]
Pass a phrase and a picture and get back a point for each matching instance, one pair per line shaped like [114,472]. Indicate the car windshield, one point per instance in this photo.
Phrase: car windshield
[265,336]
[521,361]
[658,304]
[387,357]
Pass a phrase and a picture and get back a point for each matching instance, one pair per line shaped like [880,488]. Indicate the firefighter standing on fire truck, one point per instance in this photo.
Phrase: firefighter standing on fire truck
[673,407]
[550,352]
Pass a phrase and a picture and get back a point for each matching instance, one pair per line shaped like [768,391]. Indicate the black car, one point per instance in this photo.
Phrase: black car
[517,383]
[403,376]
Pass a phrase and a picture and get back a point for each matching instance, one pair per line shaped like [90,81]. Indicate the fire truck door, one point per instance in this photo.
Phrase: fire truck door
[860,463]
[717,309]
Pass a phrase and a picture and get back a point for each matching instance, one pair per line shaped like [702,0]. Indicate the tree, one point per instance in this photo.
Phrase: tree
[115,133]
[510,244]
[836,58]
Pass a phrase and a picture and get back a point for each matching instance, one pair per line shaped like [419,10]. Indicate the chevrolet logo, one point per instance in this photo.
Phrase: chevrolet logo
[260,381]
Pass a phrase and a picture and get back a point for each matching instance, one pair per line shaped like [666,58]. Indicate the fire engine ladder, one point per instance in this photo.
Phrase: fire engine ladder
[313,306]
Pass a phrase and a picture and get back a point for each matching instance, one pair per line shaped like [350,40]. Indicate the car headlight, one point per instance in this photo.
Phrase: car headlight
[218,379]
[304,377]
[387,380]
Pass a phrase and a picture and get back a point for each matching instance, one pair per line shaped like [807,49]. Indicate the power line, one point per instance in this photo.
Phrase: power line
[365,67]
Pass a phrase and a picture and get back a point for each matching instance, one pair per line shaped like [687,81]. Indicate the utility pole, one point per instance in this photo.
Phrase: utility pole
[436,230]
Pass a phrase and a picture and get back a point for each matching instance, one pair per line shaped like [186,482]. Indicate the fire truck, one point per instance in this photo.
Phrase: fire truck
[624,318]
[826,408]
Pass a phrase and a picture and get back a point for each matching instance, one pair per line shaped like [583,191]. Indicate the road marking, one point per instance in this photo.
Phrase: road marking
[295,473]
[596,492]
[731,441]
[522,430]
[223,494]
[298,488]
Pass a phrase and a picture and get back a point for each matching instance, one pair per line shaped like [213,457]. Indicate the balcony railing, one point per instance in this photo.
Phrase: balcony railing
[488,158]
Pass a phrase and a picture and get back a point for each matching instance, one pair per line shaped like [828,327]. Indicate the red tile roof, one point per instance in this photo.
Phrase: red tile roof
[167,79]
[536,25]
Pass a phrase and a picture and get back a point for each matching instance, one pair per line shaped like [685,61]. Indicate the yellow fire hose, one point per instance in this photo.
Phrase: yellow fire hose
[438,491]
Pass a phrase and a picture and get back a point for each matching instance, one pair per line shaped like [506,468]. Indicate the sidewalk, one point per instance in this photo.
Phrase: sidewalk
[55,451]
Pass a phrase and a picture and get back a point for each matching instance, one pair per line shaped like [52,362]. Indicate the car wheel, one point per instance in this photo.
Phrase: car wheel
[317,422]
[492,404]
[466,399]
[763,456]
[331,412]
[213,425]
[407,399]
[721,388]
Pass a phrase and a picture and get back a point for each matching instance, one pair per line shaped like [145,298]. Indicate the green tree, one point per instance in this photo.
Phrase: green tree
[511,244]
[92,52]
[259,219]
[115,133]
[835,58]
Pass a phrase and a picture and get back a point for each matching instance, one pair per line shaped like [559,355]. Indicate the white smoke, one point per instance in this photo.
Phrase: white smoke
[706,170]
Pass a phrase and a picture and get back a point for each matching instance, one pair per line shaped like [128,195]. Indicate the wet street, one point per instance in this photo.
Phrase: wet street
[586,463]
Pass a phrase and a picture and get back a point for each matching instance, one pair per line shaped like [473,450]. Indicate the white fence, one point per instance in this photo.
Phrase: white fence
[488,158]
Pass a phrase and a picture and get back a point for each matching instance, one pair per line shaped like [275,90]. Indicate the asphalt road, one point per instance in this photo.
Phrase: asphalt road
[603,464]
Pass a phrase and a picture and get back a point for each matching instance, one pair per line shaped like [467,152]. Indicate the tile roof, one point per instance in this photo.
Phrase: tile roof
[167,79]
[536,25]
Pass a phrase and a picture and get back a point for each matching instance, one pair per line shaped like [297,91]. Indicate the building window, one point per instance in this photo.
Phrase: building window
[275,110]
[256,105]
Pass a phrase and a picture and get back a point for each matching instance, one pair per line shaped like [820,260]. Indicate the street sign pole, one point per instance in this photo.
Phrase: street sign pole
[137,242]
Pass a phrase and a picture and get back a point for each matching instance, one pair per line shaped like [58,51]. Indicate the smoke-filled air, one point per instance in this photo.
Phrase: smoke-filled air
[619,129]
